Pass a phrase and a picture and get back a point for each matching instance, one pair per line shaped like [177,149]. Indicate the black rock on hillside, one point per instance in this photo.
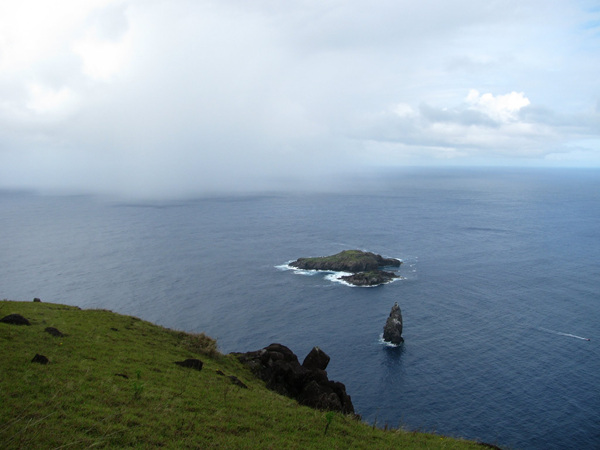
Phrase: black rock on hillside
[15,319]
[308,383]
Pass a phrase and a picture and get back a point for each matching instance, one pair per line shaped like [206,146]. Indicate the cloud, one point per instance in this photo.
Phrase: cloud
[184,97]
[496,127]
[102,58]
[44,100]
[502,108]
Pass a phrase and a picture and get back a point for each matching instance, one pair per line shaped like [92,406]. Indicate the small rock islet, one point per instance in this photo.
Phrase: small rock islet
[365,267]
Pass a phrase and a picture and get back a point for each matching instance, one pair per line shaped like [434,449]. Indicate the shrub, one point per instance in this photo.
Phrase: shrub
[199,343]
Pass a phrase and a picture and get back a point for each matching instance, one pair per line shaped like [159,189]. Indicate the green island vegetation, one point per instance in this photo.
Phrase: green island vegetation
[112,382]
[343,257]
[350,260]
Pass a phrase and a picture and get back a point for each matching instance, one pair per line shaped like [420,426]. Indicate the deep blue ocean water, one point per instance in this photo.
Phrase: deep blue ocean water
[501,284]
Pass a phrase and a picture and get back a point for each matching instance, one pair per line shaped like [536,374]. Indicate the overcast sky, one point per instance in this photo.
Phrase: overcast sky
[176,97]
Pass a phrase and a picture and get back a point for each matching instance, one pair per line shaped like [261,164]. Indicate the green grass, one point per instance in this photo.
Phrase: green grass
[82,398]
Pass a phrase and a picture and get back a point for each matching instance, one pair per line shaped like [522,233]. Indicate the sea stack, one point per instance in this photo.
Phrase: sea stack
[392,331]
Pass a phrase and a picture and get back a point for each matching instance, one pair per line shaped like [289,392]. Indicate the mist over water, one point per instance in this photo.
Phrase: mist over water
[499,291]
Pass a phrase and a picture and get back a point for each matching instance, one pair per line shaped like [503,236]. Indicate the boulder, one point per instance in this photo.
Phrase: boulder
[53,331]
[279,367]
[392,331]
[316,359]
[40,359]
[235,380]
[15,319]
[192,363]
[36,300]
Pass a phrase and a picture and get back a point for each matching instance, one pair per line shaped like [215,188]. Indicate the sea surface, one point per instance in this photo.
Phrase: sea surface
[500,290]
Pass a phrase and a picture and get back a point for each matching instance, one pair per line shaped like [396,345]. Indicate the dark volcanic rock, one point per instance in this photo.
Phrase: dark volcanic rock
[15,319]
[192,363]
[316,359]
[235,380]
[346,261]
[53,331]
[371,278]
[37,300]
[392,331]
[278,366]
[40,359]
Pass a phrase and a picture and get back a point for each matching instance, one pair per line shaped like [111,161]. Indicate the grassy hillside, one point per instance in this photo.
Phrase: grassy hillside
[111,382]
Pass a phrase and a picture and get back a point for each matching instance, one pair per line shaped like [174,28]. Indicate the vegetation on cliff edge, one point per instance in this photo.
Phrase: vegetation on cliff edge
[112,382]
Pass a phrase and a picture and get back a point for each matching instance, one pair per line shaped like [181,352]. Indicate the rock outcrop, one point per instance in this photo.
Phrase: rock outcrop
[317,359]
[371,278]
[54,332]
[392,331]
[364,266]
[40,359]
[308,383]
[234,380]
[15,319]
[192,363]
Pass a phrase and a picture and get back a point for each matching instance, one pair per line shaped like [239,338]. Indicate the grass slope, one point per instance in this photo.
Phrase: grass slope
[82,398]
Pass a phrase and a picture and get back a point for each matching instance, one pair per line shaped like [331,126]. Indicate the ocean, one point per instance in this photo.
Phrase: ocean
[500,288]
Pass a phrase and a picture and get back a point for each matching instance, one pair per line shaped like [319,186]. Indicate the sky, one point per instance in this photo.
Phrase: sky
[178,97]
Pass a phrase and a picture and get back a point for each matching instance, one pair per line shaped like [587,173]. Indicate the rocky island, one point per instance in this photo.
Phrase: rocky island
[364,267]
[392,331]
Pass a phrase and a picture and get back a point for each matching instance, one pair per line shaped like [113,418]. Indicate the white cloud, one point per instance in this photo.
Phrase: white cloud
[489,126]
[403,110]
[45,100]
[33,31]
[503,108]
[102,58]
